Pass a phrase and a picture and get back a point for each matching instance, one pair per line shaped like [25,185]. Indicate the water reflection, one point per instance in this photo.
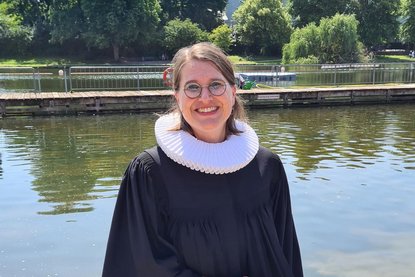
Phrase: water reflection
[78,159]
[353,137]
[75,160]
[351,172]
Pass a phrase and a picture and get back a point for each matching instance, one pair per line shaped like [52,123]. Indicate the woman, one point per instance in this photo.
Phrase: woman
[208,200]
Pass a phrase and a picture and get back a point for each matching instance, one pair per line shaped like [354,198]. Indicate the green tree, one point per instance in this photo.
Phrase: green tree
[222,37]
[206,13]
[304,46]
[262,25]
[178,33]
[335,40]
[33,15]
[307,11]
[67,19]
[339,39]
[407,30]
[105,23]
[14,37]
[378,20]
[118,22]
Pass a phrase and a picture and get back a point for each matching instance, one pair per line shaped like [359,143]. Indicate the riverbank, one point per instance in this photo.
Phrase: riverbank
[97,102]
[68,61]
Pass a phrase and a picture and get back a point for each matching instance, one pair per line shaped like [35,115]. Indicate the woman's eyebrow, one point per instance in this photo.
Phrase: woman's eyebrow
[210,81]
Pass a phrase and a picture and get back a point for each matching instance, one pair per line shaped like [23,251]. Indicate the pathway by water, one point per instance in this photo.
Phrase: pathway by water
[351,172]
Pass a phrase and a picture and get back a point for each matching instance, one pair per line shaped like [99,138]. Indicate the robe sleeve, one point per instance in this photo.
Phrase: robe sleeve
[135,246]
[284,221]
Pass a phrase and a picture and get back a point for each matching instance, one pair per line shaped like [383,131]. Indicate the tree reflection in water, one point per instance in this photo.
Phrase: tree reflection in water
[351,136]
[351,171]
[77,159]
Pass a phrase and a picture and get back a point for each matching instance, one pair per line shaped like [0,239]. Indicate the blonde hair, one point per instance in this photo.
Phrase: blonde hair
[208,52]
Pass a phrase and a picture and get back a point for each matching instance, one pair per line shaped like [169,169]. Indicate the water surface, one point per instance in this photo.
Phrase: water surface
[351,172]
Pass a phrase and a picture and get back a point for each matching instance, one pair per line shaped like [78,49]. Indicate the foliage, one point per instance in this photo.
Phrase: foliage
[222,37]
[207,14]
[407,31]
[335,40]
[309,60]
[178,34]
[262,25]
[304,46]
[119,22]
[67,20]
[378,20]
[32,13]
[308,11]
[105,23]
[14,37]
[339,39]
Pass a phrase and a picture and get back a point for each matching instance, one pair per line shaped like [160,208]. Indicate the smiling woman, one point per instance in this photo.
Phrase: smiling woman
[209,106]
[208,200]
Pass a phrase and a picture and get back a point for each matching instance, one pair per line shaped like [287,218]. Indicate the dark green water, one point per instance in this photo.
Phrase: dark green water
[351,172]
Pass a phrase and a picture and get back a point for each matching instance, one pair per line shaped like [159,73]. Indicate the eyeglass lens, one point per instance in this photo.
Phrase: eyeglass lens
[216,88]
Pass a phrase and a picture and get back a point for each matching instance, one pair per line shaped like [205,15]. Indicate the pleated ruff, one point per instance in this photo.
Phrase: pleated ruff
[212,158]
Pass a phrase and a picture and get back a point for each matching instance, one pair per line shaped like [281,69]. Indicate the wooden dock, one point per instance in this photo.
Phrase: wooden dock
[95,102]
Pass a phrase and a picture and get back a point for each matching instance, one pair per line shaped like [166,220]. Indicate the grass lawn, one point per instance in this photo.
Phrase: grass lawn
[255,60]
[393,59]
[52,61]
[35,62]
[276,60]
[57,61]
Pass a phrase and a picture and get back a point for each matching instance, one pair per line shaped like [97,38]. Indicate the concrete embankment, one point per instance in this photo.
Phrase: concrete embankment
[95,102]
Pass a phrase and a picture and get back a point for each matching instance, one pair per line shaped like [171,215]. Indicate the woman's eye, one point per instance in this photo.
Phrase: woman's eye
[216,85]
[193,87]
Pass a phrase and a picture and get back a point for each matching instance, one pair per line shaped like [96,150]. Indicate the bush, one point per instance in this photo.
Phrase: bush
[178,34]
[262,26]
[308,60]
[339,39]
[335,40]
[222,37]
[304,42]
[14,37]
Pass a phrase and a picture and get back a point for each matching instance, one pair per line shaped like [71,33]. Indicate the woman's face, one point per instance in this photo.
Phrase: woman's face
[206,114]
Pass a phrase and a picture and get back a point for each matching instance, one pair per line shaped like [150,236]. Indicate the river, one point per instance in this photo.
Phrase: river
[351,172]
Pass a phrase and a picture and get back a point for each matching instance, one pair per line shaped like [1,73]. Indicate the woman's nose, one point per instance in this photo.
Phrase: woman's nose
[205,93]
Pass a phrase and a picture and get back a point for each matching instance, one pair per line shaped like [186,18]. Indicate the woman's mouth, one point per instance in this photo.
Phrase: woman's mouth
[206,109]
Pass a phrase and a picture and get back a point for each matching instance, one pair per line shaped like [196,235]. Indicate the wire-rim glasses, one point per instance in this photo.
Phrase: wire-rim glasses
[194,90]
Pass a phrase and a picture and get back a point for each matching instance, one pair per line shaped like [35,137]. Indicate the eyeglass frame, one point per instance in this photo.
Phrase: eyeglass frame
[207,86]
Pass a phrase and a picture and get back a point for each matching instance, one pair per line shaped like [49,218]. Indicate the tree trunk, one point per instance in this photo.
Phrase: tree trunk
[116,51]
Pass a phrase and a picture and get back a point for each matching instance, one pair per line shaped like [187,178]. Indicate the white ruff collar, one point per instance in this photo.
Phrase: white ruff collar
[213,158]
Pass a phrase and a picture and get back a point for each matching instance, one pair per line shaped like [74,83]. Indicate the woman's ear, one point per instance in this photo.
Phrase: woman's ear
[234,90]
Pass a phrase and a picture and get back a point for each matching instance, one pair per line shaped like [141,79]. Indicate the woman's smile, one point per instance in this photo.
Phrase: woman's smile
[207,113]
[207,109]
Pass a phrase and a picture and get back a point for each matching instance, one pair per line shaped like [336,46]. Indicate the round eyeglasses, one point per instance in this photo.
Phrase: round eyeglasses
[194,90]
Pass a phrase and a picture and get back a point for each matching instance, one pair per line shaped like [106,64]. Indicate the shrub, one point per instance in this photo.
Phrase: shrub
[221,37]
[178,34]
